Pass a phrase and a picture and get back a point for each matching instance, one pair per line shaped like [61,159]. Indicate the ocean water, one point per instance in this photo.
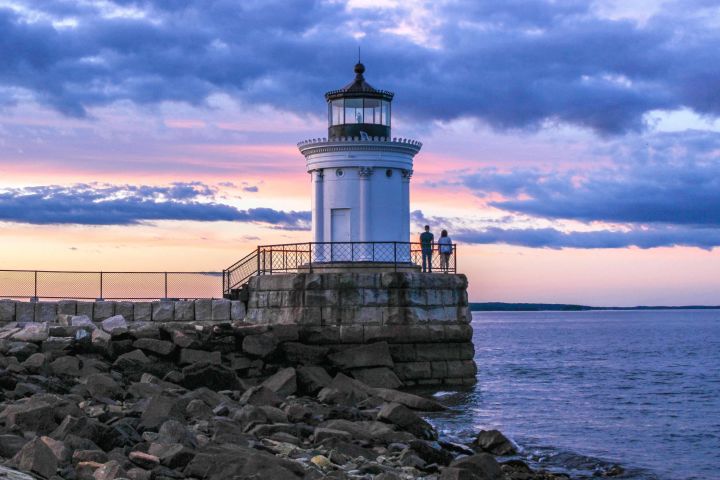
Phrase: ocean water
[580,391]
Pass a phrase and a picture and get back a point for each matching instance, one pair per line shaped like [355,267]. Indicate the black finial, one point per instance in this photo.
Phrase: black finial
[359,68]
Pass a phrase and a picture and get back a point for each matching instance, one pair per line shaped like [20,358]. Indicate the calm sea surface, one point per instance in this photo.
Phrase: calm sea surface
[579,391]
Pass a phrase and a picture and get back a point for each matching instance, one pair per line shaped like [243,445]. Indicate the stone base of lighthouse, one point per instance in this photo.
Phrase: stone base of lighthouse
[406,328]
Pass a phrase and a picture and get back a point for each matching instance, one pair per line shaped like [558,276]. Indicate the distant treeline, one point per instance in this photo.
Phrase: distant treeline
[537,307]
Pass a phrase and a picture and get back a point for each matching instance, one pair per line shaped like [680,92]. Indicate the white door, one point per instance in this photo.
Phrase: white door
[340,224]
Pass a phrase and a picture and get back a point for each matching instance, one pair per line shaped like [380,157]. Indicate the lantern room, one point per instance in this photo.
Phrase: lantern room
[358,109]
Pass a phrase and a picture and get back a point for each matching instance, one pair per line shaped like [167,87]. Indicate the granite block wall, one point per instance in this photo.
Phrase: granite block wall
[424,318]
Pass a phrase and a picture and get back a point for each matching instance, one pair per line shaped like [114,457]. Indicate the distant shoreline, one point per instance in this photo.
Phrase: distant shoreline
[562,307]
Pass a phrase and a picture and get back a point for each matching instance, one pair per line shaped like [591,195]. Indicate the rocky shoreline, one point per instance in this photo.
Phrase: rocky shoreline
[84,400]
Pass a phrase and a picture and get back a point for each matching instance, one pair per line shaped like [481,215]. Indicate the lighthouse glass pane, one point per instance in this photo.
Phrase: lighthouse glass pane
[353,110]
[337,112]
[386,113]
[371,110]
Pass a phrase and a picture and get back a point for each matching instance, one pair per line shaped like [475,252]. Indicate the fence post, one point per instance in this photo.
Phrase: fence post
[35,295]
[101,285]
[166,296]
[395,254]
[258,260]
[455,259]
[310,256]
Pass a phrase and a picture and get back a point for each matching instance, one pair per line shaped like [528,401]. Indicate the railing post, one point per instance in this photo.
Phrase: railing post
[454,258]
[101,285]
[36,296]
[166,295]
[258,260]
[395,254]
[310,256]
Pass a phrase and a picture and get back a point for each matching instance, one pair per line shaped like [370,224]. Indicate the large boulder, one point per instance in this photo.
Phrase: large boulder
[414,402]
[260,396]
[493,441]
[102,386]
[404,418]
[312,379]
[234,461]
[344,390]
[364,356]
[284,382]
[67,366]
[36,457]
[214,377]
[173,431]
[84,428]
[189,356]
[172,456]
[111,470]
[431,452]
[483,466]
[152,345]
[133,363]
[32,332]
[161,407]
[114,323]
[368,431]
[35,362]
[31,416]
[261,345]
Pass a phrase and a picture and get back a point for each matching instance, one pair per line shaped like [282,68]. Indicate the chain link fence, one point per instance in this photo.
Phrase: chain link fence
[54,285]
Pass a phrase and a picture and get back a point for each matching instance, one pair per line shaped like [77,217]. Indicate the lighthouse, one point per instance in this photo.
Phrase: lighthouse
[360,176]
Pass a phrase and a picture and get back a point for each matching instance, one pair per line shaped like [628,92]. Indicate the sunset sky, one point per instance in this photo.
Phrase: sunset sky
[571,148]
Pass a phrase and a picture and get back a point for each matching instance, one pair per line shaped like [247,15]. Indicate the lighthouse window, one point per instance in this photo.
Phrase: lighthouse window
[339,172]
[353,110]
[337,112]
[385,113]
[371,110]
[388,173]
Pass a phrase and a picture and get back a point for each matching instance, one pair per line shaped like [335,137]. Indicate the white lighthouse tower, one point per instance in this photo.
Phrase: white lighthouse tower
[360,178]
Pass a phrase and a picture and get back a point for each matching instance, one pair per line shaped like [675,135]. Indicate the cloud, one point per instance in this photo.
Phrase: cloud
[705,238]
[669,178]
[102,204]
[659,190]
[512,64]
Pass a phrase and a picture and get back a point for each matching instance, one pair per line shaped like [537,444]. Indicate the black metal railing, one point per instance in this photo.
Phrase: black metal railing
[83,285]
[269,259]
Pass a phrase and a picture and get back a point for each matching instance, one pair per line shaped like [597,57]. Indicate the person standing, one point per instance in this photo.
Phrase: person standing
[445,249]
[426,244]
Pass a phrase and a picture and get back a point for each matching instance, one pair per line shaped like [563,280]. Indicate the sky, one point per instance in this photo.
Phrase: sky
[571,148]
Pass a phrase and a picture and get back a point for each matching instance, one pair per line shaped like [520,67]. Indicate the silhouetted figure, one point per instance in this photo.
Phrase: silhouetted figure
[426,243]
[445,250]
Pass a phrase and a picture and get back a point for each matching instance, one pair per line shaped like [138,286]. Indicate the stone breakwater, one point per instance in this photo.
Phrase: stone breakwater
[423,318]
[143,400]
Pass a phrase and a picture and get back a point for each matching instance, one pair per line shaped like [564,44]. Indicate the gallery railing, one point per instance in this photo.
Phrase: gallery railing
[82,285]
[311,256]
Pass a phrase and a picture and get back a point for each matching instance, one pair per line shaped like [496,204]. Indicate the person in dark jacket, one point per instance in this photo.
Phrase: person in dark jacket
[426,244]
